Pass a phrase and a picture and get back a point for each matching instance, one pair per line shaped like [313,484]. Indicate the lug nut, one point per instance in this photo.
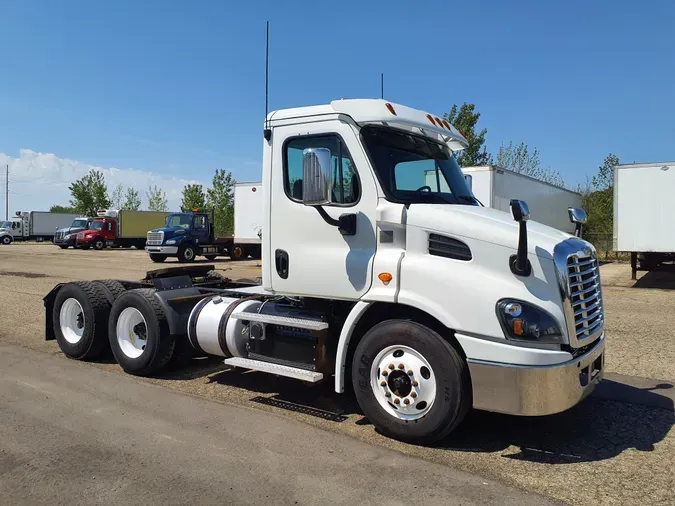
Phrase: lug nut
[391,366]
[410,373]
[406,401]
[387,394]
[397,401]
[383,383]
[401,366]
[415,384]
[413,394]
[385,373]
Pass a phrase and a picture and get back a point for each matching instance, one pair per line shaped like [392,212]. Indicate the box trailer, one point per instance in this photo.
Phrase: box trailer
[120,229]
[189,235]
[549,204]
[644,213]
[38,225]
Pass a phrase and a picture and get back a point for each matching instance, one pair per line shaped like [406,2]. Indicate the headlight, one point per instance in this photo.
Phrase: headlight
[171,241]
[67,236]
[524,322]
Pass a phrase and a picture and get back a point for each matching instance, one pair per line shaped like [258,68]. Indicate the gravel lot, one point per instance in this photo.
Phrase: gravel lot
[604,451]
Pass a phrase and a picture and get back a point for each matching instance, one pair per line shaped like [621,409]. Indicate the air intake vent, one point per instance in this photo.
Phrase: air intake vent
[447,247]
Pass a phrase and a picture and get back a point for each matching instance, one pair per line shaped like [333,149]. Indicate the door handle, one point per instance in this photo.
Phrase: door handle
[281,263]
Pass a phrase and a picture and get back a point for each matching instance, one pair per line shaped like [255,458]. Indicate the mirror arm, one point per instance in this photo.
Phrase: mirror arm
[346,223]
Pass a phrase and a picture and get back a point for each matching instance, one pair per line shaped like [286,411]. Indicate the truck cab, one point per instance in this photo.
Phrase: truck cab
[101,231]
[184,236]
[66,237]
[380,269]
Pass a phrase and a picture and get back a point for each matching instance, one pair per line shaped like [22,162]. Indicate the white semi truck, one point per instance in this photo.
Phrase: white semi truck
[38,225]
[423,302]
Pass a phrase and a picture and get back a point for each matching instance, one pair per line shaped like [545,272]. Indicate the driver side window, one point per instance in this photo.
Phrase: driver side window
[346,188]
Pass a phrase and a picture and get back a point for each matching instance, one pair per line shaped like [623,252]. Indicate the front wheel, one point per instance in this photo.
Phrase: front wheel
[6,239]
[63,246]
[99,244]
[158,259]
[186,253]
[410,383]
[210,258]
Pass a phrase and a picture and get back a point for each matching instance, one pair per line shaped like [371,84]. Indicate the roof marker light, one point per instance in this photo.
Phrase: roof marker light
[429,117]
[391,108]
[447,125]
[438,122]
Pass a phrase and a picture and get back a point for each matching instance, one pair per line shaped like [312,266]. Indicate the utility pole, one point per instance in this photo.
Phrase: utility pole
[7,193]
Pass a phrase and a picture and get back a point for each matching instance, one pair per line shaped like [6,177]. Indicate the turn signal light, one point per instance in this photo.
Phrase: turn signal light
[518,327]
[385,277]
[391,108]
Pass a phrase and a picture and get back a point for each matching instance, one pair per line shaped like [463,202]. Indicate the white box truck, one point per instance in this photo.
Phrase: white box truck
[549,204]
[189,235]
[644,213]
[38,225]
[425,302]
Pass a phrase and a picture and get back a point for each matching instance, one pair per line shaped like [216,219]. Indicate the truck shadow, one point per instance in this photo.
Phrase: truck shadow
[597,429]
[663,278]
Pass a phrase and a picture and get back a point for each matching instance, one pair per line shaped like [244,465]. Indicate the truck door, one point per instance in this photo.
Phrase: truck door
[310,256]
[200,229]
[110,230]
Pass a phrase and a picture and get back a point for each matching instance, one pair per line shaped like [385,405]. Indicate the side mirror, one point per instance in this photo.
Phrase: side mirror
[469,181]
[578,217]
[519,263]
[317,184]
[520,211]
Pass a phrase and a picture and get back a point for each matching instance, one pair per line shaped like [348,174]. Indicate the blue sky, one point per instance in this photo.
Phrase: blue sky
[177,88]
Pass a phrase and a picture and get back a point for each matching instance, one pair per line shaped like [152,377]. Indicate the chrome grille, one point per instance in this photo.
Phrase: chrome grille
[585,296]
[155,238]
[58,235]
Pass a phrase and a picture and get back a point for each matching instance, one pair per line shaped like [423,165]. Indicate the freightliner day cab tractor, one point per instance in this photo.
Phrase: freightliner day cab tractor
[375,278]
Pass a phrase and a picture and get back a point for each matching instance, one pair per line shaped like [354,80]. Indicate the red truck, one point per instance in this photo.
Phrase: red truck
[120,229]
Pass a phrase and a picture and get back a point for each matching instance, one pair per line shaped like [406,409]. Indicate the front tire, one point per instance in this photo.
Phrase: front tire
[410,383]
[6,240]
[99,244]
[158,259]
[210,258]
[80,320]
[186,253]
[63,247]
[139,333]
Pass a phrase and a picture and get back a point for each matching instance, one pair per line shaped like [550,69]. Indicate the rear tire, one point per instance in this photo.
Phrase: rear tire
[237,252]
[81,326]
[114,287]
[158,259]
[139,333]
[432,401]
[186,253]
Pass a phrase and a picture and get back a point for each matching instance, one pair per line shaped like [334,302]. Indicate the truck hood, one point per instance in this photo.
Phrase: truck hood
[70,230]
[484,224]
[169,231]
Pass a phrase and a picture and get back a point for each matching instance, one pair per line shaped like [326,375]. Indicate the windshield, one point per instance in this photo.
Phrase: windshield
[79,224]
[412,168]
[179,220]
[96,225]
[6,224]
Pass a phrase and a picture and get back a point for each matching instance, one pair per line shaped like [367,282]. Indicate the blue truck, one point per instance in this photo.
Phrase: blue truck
[189,235]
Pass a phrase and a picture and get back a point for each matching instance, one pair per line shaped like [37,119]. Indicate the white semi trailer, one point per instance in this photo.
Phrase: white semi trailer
[373,278]
[39,225]
[495,187]
[650,234]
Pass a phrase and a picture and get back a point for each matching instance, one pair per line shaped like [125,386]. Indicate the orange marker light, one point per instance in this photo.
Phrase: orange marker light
[438,121]
[391,108]
[447,125]
[430,119]
[518,327]
[385,277]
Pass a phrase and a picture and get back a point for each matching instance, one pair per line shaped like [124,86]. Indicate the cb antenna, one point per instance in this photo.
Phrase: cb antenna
[382,85]
[268,131]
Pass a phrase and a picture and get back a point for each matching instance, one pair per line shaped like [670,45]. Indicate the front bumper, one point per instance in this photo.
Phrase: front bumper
[162,250]
[64,242]
[536,390]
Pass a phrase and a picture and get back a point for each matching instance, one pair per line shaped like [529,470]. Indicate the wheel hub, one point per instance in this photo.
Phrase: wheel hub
[80,320]
[403,382]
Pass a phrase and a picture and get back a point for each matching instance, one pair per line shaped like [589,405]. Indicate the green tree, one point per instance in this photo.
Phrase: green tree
[193,198]
[220,198]
[62,209]
[598,202]
[132,202]
[465,119]
[519,158]
[156,199]
[116,197]
[90,194]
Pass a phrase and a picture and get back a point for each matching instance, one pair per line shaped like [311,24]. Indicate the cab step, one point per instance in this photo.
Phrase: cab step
[279,370]
[286,321]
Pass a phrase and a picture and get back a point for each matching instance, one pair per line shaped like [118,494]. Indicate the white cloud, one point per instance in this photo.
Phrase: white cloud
[40,180]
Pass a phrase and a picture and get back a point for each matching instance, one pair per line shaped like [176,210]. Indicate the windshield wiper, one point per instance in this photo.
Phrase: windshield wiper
[469,198]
